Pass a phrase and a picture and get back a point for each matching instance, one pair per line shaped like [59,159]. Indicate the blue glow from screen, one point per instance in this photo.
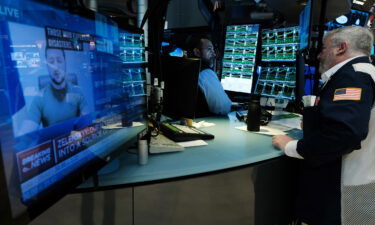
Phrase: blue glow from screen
[177,52]
[65,78]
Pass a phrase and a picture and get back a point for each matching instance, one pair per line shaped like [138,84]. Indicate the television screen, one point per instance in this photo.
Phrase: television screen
[304,23]
[353,18]
[239,57]
[65,82]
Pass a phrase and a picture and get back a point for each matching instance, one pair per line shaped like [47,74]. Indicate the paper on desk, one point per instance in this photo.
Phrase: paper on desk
[289,122]
[192,143]
[162,144]
[265,130]
[113,126]
[118,125]
[202,124]
[137,124]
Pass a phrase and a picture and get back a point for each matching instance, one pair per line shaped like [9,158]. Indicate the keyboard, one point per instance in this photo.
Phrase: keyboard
[177,132]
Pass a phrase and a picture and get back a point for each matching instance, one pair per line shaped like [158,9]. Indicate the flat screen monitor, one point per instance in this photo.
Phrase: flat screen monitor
[65,80]
[304,24]
[277,73]
[353,18]
[280,45]
[180,77]
[239,59]
[277,81]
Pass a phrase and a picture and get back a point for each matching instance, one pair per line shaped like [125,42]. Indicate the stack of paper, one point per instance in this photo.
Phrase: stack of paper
[161,144]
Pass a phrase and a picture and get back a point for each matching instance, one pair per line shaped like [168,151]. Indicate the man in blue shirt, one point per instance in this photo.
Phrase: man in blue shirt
[217,100]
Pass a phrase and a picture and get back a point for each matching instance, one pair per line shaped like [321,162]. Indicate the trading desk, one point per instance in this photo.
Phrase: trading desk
[231,148]
[238,178]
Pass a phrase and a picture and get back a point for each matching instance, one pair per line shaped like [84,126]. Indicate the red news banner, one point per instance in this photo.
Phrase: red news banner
[35,160]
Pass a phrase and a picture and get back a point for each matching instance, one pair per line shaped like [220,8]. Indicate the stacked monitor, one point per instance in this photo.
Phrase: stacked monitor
[239,59]
[280,45]
[68,84]
[277,81]
[131,70]
[278,69]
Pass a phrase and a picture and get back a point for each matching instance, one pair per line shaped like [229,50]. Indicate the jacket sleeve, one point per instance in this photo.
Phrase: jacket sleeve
[342,124]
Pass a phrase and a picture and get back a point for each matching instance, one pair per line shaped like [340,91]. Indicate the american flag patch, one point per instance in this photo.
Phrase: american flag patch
[347,94]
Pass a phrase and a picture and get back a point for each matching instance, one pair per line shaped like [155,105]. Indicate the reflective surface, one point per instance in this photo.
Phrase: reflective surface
[64,79]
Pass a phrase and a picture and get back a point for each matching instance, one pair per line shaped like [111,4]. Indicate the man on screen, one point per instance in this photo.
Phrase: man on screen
[58,100]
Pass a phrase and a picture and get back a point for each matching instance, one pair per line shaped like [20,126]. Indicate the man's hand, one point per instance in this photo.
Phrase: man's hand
[280,141]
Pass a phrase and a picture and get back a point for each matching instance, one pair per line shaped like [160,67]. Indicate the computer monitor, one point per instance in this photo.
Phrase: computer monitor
[280,45]
[305,26]
[353,18]
[240,53]
[64,79]
[180,98]
[277,73]
[277,81]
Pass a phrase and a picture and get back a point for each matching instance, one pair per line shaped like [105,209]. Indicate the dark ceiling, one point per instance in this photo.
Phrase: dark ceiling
[290,9]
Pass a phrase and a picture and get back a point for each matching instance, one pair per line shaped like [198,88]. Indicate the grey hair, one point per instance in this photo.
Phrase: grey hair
[360,39]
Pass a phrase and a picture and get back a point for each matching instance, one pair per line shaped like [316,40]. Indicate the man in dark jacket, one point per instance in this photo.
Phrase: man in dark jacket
[337,166]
